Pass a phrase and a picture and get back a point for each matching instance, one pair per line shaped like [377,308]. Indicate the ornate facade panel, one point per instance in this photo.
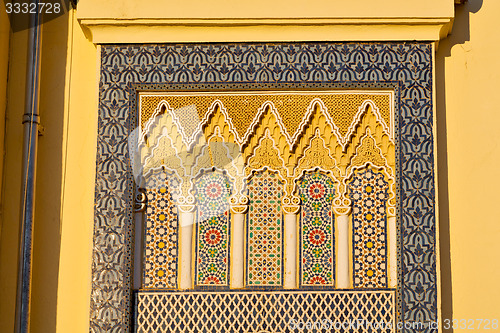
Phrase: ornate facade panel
[212,230]
[369,123]
[317,241]
[242,108]
[404,68]
[368,190]
[160,241]
[265,230]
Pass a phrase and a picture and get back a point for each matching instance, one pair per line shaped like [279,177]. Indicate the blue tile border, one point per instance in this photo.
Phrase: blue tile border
[125,69]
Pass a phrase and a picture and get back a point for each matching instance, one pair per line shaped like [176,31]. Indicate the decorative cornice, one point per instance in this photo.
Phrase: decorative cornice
[170,30]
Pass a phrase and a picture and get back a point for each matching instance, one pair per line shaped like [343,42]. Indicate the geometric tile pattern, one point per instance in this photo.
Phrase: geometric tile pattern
[125,69]
[278,311]
[317,192]
[160,234]
[265,221]
[212,230]
[368,191]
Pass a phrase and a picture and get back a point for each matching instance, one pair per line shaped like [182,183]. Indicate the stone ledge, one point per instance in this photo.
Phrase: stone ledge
[102,31]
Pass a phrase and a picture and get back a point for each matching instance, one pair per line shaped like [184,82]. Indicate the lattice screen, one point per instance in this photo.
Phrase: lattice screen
[256,312]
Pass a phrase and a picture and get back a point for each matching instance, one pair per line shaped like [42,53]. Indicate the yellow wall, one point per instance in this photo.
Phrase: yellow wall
[65,178]
[468,79]
[468,82]
[77,214]
[188,9]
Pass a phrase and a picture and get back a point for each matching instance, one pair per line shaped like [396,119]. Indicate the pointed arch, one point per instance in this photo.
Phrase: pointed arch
[366,106]
[163,117]
[266,155]
[316,108]
[163,155]
[266,108]
[368,153]
[208,119]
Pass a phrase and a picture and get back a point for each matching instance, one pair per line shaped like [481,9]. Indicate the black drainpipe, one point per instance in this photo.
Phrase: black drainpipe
[31,119]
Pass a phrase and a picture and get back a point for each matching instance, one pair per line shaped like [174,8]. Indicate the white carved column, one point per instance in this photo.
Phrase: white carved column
[290,247]
[342,270]
[237,254]
[185,265]
[392,250]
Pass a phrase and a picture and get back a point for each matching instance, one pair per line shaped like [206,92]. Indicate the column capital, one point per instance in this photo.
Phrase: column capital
[391,211]
[186,208]
[239,209]
[291,209]
[342,210]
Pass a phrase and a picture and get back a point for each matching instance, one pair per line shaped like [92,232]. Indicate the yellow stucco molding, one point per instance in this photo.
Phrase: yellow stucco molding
[125,30]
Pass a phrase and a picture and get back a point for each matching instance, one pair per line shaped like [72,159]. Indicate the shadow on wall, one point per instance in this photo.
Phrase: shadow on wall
[19,16]
[47,228]
[460,34]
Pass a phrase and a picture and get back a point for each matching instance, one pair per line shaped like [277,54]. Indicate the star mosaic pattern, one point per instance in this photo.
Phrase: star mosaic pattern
[368,191]
[160,241]
[212,230]
[265,223]
[317,192]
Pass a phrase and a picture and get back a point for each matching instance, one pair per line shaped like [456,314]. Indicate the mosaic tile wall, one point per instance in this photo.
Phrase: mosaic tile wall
[317,192]
[125,69]
[212,230]
[265,229]
[368,191]
[160,234]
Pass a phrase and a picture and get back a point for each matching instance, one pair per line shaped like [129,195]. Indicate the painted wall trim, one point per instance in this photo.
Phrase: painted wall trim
[103,31]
